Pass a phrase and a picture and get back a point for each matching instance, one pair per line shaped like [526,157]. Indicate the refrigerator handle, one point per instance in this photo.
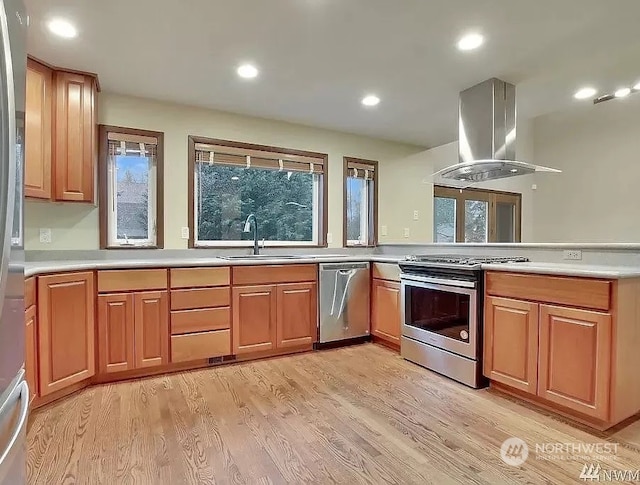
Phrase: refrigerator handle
[8,154]
[23,389]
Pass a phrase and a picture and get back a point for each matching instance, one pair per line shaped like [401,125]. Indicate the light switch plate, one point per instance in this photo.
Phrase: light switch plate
[384,230]
[45,235]
[406,232]
[184,233]
[416,215]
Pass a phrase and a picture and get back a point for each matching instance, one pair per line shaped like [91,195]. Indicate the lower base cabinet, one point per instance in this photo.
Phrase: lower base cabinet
[133,331]
[31,352]
[270,317]
[66,348]
[200,345]
[385,310]
[575,359]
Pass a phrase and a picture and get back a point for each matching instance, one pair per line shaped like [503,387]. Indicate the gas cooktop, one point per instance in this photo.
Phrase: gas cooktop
[461,260]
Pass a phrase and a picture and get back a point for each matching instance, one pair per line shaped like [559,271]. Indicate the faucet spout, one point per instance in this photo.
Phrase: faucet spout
[247,227]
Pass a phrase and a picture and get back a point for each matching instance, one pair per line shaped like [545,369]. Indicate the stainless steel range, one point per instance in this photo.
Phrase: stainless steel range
[442,313]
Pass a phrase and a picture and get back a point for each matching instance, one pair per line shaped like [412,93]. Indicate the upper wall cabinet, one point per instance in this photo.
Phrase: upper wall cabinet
[37,177]
[61,134]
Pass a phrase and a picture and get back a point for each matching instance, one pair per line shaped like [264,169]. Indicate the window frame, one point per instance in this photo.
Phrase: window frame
[369,223]
[103,187]
[320,194]
[492,197]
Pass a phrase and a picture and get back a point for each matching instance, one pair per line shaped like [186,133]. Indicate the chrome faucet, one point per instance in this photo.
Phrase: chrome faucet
[247,227]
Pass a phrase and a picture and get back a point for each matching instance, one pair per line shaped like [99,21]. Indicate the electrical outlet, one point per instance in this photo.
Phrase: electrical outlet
[573,255]
[329,238]
[406,232]
[384,230]
[45,235]
[184,233]
[416,215]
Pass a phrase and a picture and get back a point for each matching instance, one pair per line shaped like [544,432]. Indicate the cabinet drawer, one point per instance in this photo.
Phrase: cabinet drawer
[29,292]
[200,298]
[575,292]
[194,346]
[386,271]
[188,321]
[132,280]
[274,273]
[198,277]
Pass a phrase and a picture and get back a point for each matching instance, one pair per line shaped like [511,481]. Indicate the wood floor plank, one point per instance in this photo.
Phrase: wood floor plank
[356,415]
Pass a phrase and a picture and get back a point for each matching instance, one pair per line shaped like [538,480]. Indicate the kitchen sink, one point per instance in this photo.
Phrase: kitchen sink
[263,256]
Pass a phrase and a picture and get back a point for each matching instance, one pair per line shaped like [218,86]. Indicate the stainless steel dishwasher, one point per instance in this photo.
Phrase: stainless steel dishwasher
[344,301]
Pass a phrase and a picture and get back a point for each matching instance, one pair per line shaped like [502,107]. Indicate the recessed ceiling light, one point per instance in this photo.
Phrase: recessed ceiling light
[247,71]
[470,42]
[585,93]
[235,177]
[371,100]
[637,87]
[62,28]
[514,170]
[622,93]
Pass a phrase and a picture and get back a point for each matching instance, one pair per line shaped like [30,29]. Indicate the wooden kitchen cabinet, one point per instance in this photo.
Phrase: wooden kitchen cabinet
[116,333]
[385,311]
[31,352]
[511,343]
[151,328]
[254,319]
[133,330]
[60,134]
[38,114]
[575,359]
[75,136]
[66,352]
[297,317]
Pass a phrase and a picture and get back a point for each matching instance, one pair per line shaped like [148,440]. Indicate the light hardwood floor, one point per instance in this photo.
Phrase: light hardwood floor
[353,415]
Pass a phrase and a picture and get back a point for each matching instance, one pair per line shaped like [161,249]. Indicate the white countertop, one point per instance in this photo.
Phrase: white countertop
[561,269]
[568,269]
[44,267]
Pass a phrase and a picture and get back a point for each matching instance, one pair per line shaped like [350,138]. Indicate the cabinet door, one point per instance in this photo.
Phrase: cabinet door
[151,328]
[511,343]
[65,330]
[75,137]
[575,359]
[38,113]
[31,352]
[385,310]
[297,305]
[254,318]
[115,333]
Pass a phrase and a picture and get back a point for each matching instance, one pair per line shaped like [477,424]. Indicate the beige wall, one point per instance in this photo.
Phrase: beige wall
[597,197]
[402,169]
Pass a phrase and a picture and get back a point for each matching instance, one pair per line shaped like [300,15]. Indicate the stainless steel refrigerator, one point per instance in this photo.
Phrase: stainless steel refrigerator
[14,392]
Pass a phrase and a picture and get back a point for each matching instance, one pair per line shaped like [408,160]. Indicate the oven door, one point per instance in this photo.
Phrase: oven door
[441,313]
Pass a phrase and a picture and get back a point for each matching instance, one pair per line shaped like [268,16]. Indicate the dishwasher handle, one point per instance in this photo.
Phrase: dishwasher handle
[343,266]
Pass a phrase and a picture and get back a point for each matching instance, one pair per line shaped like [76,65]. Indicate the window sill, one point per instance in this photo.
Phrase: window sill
[132,247]
[250,246]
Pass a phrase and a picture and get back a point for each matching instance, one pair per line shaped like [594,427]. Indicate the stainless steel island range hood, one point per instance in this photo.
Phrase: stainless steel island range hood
[487,136]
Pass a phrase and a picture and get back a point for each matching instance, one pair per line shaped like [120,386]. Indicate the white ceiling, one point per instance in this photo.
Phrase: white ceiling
[317,58]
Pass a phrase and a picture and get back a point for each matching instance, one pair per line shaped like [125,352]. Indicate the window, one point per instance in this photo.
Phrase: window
[131,189]
[475,216]
[283,188]
[360,202]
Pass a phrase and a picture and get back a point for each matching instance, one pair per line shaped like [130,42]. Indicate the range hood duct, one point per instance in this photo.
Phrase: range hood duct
[487,136]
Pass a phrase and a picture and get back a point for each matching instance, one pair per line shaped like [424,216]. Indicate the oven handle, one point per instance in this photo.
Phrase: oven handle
[437,281]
